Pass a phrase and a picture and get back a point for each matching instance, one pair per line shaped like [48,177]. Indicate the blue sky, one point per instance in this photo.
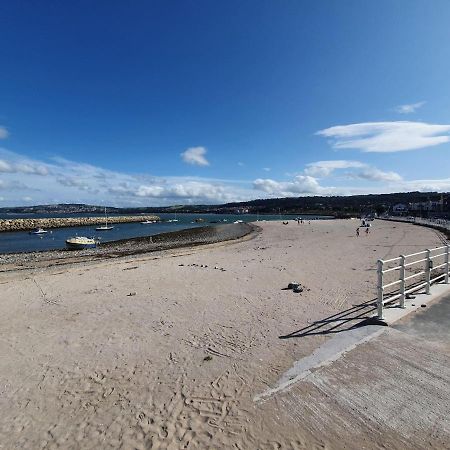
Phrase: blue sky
[170,102]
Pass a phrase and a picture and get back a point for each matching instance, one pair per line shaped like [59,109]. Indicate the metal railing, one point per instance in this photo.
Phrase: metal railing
[398,277]
[435,223]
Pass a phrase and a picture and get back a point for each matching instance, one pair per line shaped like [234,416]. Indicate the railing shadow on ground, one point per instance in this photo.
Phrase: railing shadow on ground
[362,314]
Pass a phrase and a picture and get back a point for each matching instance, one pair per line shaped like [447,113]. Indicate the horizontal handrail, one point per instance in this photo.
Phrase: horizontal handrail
[437,256]
[414,275]
[391,284]
[416,254]
[391,269]
[415,288]
[392,260]
[427,258]
[416,262]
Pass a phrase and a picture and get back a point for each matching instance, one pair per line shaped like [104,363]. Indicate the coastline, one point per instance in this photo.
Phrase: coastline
[169,349]
[128,247]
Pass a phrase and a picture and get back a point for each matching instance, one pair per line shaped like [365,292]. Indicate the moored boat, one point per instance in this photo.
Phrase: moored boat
[80,243]
[105,227]
[38,231]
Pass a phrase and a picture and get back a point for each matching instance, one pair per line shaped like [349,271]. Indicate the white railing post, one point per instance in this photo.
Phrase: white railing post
[402,281]
[380,289]
[447,252]
[428,272]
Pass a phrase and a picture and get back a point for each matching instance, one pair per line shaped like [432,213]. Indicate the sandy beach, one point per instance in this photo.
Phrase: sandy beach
[169,349]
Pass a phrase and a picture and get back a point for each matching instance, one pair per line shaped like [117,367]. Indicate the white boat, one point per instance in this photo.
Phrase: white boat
[147,222]
[105,227]
[80,243]
[238,221]
[38,231]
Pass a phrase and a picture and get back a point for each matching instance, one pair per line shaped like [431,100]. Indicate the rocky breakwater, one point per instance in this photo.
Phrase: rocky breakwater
[59,222]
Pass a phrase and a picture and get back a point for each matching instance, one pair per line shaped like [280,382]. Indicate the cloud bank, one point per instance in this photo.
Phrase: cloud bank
[59,180]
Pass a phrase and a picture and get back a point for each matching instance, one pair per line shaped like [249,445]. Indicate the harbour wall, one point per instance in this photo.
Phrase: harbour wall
[59,222]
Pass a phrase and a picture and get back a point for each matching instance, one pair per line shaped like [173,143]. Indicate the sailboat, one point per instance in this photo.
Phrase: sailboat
[105,227]
[173,220]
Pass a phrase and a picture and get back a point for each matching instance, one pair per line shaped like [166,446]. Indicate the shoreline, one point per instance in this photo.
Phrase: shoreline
[170,349]
[189,237]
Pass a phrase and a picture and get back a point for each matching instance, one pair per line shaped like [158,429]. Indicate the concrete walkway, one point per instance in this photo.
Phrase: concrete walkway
[391,391]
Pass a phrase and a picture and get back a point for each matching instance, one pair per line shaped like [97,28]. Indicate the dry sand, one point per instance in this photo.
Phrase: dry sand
[156,351]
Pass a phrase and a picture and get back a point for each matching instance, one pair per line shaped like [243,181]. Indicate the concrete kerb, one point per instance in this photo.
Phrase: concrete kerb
[392,314]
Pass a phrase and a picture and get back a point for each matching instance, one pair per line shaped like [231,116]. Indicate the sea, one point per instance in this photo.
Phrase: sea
[22,241]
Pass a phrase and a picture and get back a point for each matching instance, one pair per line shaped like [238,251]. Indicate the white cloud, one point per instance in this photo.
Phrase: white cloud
[3,133]
[374,174]
[17,164]
[323,169]
[387,136]
[195,156]
[326,168]
[409,108]
[5,167]
[442,185]
[192,190]
[300,185]
[71,181]
[85,183]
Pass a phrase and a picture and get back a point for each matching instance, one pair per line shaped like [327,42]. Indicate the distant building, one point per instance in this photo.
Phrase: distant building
[427,206]
[400,208]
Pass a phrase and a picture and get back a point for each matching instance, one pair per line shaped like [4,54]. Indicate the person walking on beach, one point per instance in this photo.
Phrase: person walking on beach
[367,231]
[357,231]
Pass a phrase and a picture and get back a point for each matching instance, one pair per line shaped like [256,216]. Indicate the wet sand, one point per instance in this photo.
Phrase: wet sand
[169,349]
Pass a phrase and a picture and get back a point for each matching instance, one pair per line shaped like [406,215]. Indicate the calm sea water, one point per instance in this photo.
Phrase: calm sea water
[22,241]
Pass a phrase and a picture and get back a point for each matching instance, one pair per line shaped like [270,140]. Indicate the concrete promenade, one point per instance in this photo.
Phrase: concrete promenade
[390,391]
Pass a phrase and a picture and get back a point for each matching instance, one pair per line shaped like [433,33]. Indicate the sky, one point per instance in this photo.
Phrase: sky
[151,103]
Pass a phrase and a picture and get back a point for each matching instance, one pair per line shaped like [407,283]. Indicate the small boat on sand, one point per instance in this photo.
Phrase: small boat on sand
[38,231]
[80,243]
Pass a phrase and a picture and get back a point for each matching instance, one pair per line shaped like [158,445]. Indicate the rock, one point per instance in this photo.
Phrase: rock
[59,222]
[293,285]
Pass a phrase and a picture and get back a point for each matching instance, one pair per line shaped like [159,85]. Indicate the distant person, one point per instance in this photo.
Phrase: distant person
[357,231]
[367,230]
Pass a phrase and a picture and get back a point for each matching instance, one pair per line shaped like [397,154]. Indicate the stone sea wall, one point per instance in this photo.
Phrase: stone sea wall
[58,222]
